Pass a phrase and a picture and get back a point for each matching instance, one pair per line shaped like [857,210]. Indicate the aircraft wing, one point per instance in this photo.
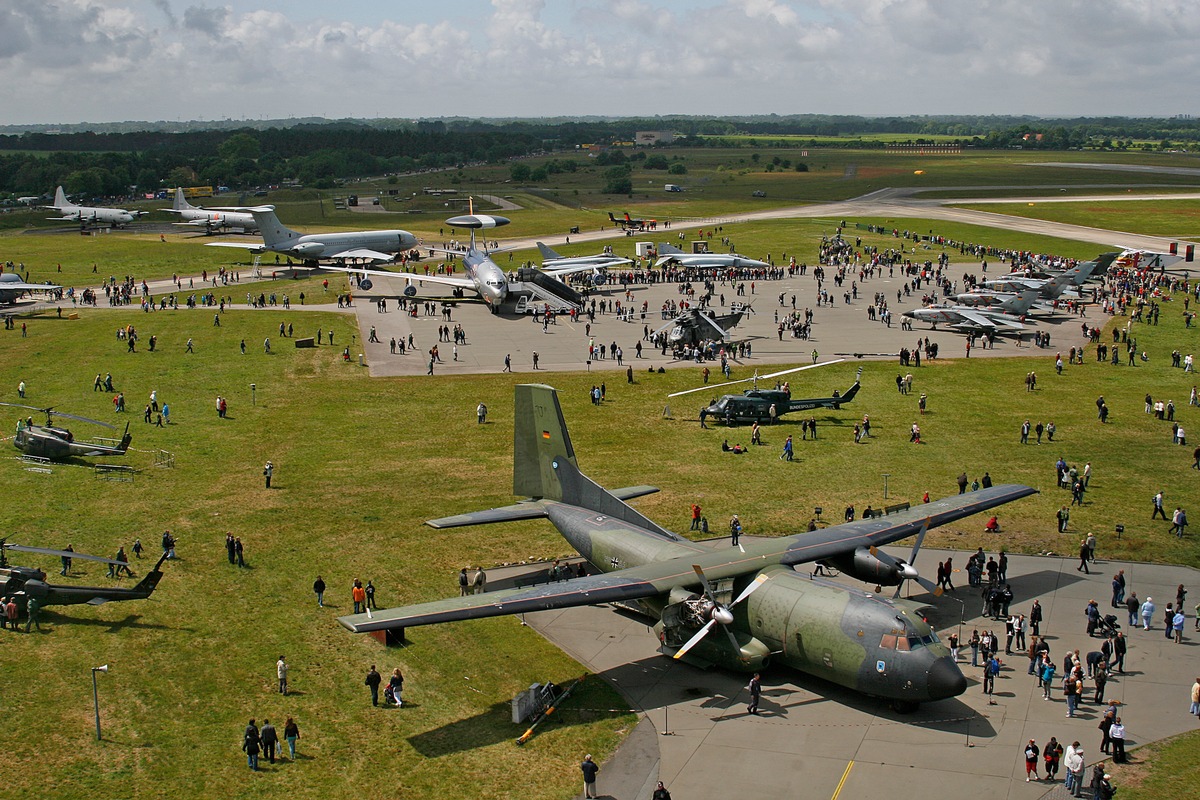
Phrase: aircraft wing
[361,252]
[526,509]
[659,577]
[28,287]
[970,317]
[628,584]
[252,246]
[462,283]
[839,539]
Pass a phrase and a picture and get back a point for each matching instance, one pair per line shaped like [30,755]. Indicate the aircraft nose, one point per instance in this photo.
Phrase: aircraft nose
[946,679]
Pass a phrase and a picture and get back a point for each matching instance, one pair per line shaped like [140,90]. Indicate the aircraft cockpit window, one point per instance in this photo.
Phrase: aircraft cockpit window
[902,643]
[928,638]
[888,642]
[914,642]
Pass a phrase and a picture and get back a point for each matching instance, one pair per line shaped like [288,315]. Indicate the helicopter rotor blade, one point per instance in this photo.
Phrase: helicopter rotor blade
[50,412]
[46,551]
[711,386]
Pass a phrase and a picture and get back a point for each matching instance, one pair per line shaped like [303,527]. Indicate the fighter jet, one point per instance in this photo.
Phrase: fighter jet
[767,611]
[965,318]
[379,245]
[668,254]
[561,265]
[12,288]
[91,215]
[1047,288]
[210,219]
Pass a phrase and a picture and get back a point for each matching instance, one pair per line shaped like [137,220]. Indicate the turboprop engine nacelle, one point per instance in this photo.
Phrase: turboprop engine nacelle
[864,566]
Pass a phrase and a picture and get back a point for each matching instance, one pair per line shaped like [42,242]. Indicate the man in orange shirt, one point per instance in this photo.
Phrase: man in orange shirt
[360,597]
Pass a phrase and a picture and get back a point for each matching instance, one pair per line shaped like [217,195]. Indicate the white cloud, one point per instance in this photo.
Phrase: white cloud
[67,60]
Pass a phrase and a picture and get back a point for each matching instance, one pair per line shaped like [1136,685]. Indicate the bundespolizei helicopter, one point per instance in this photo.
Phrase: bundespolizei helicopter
[57,443]
[754,405]
[23,583]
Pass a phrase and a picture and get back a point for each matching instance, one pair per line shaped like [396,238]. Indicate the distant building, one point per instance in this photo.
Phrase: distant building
[651,138]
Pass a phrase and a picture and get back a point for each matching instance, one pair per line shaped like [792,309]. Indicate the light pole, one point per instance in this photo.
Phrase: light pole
[96,696]
[886,475]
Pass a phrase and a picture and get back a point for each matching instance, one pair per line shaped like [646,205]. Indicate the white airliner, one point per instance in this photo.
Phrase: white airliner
[91,215]
[374,245]
[209,218]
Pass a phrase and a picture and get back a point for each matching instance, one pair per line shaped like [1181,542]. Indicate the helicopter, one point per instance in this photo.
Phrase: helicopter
[55,443]
[695,326]
[754,405]
[24,583]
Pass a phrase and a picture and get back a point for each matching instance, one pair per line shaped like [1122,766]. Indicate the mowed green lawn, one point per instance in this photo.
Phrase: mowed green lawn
[1177,219]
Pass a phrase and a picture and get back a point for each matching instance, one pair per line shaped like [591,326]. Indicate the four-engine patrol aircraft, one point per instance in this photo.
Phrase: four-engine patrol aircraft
[379,245]
[210,219]
[767,610]
[91,215]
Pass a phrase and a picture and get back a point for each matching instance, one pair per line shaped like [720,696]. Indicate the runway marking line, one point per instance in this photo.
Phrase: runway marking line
[842,782]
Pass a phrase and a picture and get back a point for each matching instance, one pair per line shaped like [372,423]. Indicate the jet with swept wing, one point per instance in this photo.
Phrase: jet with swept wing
[561,265]
[766,609]
[380,245]
[668,254]
[91,215]
[210,219]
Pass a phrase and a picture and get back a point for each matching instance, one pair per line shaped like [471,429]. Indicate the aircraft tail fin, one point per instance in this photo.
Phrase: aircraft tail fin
[125,439]
[547,253]
[1021,303]
[665,249]
[149,582]
[60,199]
[181,203]
[853,390]
[275,234]
[614,219]
[544,466]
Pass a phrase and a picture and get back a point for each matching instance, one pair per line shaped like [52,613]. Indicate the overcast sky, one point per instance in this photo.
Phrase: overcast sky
[110,60]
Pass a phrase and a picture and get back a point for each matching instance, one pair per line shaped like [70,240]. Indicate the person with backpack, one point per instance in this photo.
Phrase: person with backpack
[991,669]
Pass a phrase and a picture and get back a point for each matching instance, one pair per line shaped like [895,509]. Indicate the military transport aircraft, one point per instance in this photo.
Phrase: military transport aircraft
[381,245]
[210,219]
[668,254]
[23,583]
[57,443]
[91,215]
[12,288]
[768,611]
[754,405]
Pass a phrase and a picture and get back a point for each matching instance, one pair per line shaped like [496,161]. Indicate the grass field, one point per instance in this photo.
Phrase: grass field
[1173,219]
[361,463]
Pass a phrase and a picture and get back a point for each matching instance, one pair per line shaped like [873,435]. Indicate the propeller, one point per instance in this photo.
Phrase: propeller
[906,568]
[711,386]
[720,613]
